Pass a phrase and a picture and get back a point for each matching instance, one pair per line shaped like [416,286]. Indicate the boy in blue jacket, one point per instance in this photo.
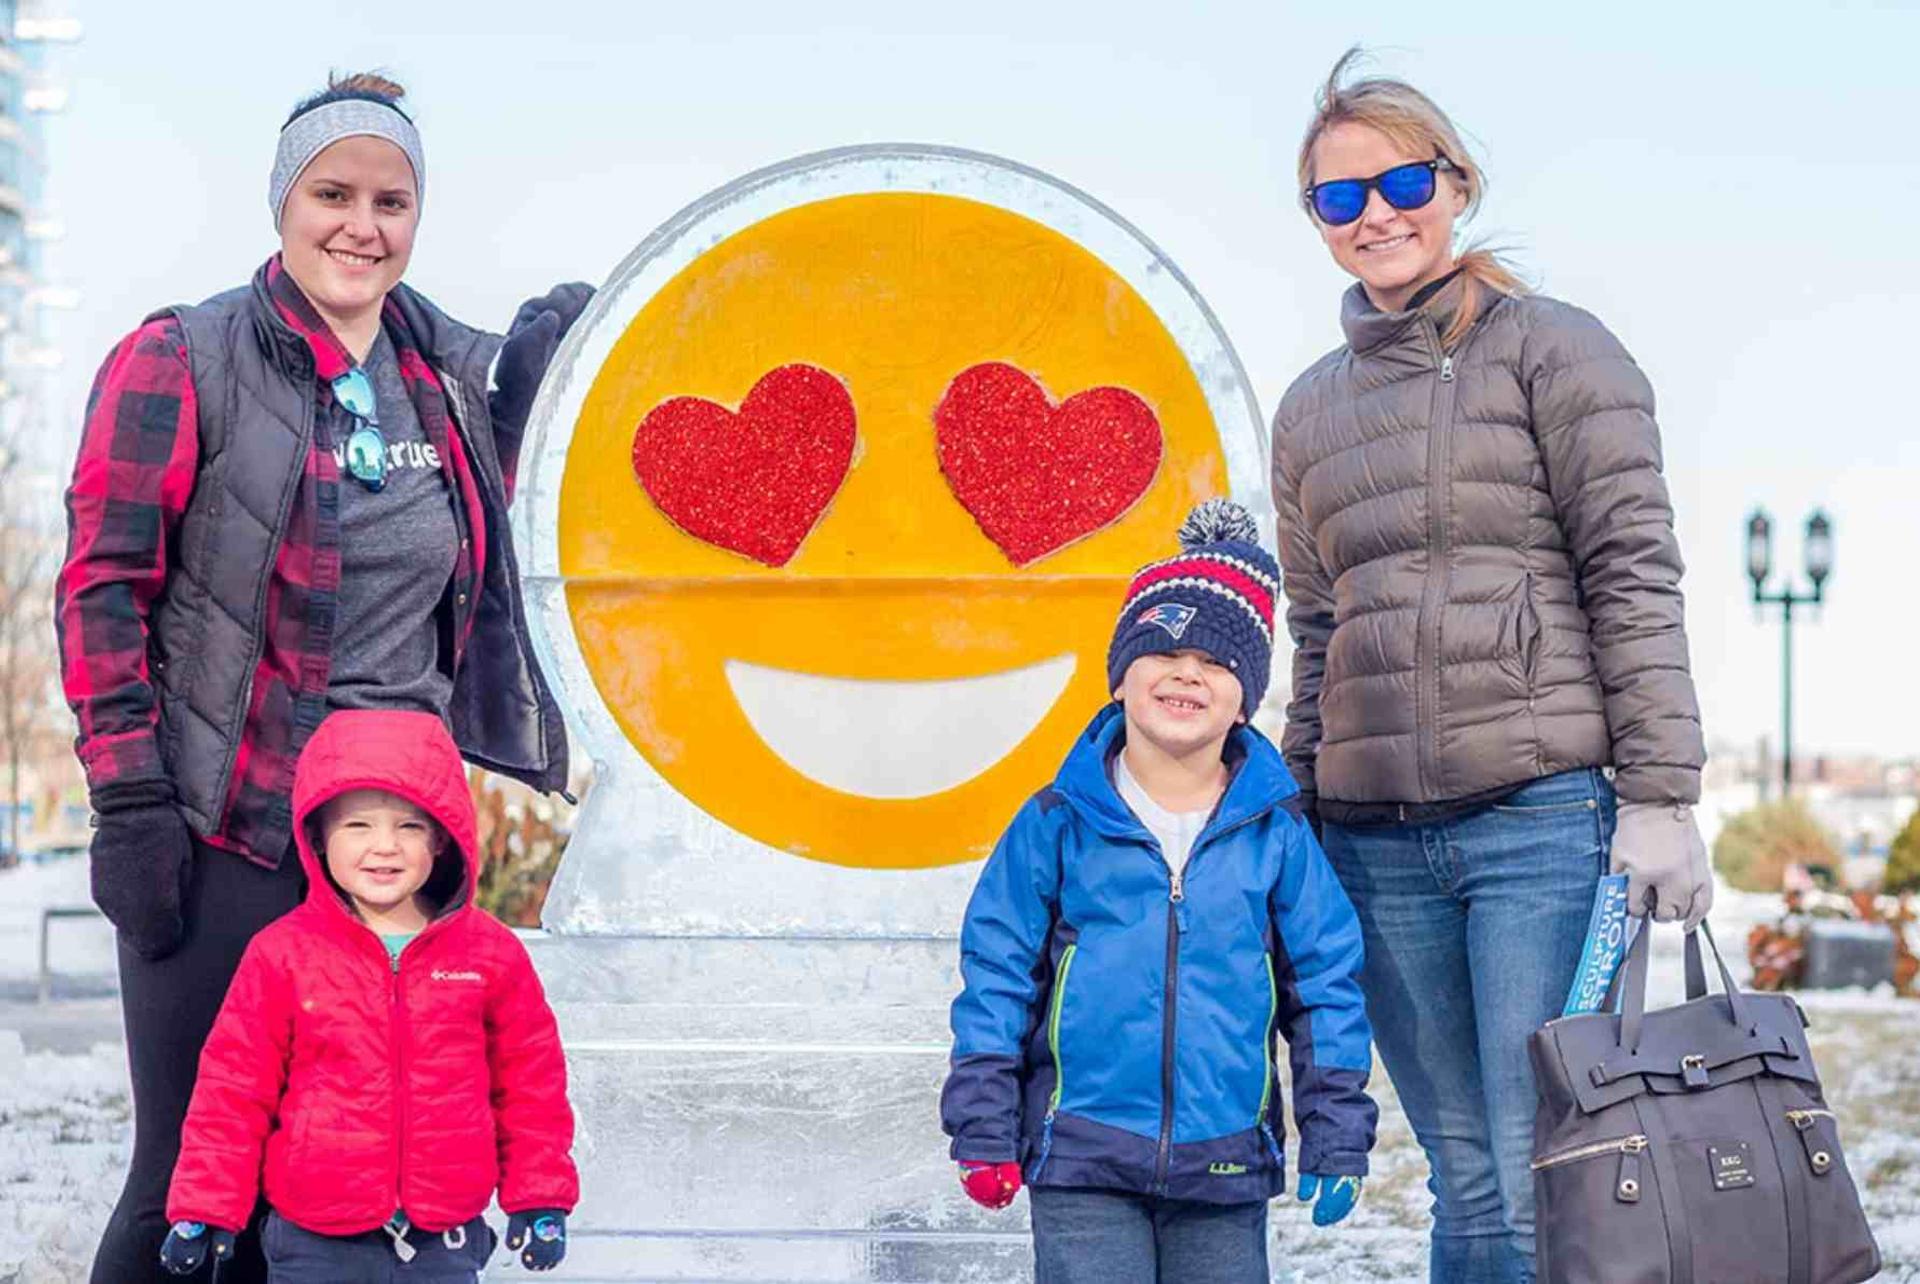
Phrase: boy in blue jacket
[1144,928]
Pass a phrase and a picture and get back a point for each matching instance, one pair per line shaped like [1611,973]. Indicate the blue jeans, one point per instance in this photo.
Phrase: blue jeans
[1473,929]
[1116,1237]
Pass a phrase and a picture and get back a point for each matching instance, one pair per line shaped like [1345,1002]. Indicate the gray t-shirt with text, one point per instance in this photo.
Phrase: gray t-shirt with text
[398,549]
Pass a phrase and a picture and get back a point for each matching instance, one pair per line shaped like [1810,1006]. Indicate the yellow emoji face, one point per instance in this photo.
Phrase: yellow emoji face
[850,503]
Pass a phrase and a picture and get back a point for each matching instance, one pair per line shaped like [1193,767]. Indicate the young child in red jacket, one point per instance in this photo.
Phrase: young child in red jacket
[385,1058]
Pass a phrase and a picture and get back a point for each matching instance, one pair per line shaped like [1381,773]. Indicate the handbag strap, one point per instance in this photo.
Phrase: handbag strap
[1696,970]
[1697,980]
[1632,982]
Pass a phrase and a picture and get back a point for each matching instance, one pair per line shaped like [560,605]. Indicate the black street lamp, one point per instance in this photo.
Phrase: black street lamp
[1818,550]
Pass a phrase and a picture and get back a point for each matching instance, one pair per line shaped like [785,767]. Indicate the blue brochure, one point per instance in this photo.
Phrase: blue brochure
[1607,937]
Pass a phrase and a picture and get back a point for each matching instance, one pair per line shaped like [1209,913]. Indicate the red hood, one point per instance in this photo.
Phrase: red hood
[408,754]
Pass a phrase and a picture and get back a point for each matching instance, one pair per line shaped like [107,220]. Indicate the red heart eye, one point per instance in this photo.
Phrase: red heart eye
[1037,476]
[756,481]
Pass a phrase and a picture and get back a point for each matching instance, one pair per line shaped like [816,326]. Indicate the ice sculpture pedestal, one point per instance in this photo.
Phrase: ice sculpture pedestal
[758,1109]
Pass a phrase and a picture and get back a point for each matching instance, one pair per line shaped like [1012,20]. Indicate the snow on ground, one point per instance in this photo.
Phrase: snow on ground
[64,1118]
[65,1124]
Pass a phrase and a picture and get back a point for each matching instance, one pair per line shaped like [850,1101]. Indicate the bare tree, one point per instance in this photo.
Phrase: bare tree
[29,560]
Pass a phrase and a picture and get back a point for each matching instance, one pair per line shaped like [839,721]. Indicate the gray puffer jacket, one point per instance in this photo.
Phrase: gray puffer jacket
[1482,578]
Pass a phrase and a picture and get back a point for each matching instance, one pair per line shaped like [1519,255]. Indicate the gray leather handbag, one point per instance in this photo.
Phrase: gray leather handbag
[1690,1145]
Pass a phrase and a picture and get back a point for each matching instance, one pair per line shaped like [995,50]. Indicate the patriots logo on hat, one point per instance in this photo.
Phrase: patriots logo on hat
[1171,616]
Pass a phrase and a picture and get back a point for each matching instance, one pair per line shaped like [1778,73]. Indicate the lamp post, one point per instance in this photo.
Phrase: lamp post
[1818,551]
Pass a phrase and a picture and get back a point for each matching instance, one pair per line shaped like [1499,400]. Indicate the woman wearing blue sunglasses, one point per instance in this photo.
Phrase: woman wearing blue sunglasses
[289,499]
[1491,698]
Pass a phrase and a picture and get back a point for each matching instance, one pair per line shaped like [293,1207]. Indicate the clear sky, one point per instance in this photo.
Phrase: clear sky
[1732,188]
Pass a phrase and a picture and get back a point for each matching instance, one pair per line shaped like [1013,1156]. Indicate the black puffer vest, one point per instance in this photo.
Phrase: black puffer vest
[253,378]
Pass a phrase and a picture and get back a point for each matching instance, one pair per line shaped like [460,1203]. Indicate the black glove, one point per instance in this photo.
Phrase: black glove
[189,1243]
[142,857]
[531,342]
[539,1235]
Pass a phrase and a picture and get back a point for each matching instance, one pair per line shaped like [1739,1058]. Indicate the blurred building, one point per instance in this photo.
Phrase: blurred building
[28,92]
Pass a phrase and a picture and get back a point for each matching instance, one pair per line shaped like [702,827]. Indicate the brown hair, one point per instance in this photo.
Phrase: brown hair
[1417,125]
[371,86]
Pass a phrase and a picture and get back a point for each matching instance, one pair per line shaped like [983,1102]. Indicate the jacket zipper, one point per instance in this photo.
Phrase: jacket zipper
[1266,1041]
[1053,1046]
[397,1030]
[1176,896]
[1266,1059]
[1433,597]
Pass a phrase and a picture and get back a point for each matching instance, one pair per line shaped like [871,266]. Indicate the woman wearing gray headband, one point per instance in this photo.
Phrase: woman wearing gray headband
[289,499]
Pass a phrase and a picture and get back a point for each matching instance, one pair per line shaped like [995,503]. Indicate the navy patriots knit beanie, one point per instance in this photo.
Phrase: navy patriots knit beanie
[1217,596]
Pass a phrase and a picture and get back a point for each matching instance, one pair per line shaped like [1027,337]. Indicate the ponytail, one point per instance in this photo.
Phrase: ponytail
[1482,271]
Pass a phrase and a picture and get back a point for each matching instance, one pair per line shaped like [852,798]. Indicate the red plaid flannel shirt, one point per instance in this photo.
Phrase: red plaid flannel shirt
[139,453]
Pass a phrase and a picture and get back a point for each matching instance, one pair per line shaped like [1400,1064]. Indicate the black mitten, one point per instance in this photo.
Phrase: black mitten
[142,857]
[190,1243]
[539,1236]
[532,339]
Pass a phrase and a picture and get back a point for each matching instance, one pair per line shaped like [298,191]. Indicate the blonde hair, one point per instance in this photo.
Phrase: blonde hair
[1415,124]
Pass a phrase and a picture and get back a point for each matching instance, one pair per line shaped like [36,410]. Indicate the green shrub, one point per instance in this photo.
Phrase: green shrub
[1755,847]
[1903,860]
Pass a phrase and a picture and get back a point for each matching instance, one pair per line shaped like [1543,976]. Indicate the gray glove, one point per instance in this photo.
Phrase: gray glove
[1659,848]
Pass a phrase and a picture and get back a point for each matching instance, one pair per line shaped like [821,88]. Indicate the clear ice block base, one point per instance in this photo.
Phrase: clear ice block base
[766,1109]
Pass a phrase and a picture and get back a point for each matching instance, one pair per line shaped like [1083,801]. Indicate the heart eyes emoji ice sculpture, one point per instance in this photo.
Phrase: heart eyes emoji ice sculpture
[853,494]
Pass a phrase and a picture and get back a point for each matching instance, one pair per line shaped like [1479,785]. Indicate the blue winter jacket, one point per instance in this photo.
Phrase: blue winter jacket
[1117,1027]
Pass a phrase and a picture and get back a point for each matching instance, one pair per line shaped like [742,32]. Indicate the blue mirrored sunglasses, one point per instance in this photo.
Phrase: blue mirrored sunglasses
[1405,187]
[366,459]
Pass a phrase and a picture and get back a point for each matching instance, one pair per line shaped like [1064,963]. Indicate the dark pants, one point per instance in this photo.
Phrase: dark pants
[297,1256]
[169,1007]
[1113,1237]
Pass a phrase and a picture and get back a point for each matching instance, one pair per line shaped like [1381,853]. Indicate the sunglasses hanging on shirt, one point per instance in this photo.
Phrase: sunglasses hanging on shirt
[366,458]
[1405,187]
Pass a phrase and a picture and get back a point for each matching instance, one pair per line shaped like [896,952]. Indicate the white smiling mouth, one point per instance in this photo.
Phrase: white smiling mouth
[353,260]
[1391,243]
[891,739]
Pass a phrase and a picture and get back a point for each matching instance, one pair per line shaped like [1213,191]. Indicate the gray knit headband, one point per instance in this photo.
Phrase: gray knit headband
[310,133]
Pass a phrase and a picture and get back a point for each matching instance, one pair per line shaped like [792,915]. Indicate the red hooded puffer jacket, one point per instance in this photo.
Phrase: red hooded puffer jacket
[352,1086]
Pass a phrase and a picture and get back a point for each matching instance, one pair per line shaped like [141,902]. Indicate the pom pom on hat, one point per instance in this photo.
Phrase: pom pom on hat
[1216,520]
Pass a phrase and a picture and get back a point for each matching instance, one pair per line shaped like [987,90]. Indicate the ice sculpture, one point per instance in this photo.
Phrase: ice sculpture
[826,507]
